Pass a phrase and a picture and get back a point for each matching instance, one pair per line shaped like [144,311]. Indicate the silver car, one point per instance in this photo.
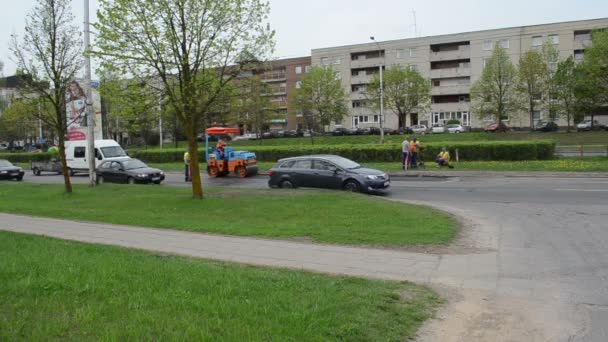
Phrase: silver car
[455,128]
[438,128]
[420,129]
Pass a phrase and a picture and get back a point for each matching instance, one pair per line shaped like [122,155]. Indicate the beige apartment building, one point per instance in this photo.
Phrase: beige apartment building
[453,63]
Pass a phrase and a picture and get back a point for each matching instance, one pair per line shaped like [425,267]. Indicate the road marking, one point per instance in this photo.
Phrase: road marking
[585,190]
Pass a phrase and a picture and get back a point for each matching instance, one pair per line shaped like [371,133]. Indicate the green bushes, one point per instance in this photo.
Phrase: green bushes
[501,150]
[26,157]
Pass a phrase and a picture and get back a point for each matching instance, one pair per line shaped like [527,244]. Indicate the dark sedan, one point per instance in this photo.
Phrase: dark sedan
[546,127]
[326,171]
[10,171]
[128,171]
[339,131]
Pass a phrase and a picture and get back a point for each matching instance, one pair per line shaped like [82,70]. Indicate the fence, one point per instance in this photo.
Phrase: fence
[582,151]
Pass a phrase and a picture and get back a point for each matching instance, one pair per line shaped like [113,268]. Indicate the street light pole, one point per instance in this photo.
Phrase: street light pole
[89,109]
[381,94]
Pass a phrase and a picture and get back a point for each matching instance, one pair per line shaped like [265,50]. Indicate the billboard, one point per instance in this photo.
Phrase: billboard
[76,103]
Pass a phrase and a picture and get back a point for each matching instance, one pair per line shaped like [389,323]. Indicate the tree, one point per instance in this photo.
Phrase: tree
[183,42]
[532,80]
[321,98]
[256,110]
[405,90]
[592,85]
[565,81]
[495,93]
[18,120]
[51,53]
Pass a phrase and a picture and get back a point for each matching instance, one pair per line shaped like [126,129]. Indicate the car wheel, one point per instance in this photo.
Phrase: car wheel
[100,180]
[352,186]
[36,171]
[457,132]
[130,180]
[157,182]
[19,179]
[286,184]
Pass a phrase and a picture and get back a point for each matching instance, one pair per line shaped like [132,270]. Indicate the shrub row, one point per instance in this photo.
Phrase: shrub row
[523,150]
[502,150]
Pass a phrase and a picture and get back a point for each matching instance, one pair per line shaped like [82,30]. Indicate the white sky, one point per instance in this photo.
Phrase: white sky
[305,25]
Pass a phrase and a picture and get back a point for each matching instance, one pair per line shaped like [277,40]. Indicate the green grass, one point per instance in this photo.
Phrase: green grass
[320,216]
[59,290]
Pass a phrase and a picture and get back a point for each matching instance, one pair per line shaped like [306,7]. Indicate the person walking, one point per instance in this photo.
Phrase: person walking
[413,155]
[187,170]
[405,150]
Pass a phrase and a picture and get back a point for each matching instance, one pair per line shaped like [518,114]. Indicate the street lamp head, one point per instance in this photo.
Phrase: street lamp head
[372,38]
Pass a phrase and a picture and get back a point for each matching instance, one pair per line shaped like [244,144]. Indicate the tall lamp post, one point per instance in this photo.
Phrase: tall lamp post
[381,94]
[90,110]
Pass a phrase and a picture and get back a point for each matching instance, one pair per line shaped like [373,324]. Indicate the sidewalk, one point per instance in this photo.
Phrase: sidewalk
[486,174]
[361,262]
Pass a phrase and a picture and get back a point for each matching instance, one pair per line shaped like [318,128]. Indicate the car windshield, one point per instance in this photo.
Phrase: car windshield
[134,164]
[5,163]
[113,152]
[344,163]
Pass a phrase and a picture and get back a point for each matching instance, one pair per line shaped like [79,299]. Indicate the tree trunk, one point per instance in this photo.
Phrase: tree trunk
[195,174]
[64,165]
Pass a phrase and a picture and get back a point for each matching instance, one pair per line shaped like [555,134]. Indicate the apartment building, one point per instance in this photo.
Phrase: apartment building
[452,62]
[283,76]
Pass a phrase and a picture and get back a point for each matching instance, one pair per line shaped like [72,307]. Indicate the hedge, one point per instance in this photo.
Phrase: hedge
[25,157]
[503,150]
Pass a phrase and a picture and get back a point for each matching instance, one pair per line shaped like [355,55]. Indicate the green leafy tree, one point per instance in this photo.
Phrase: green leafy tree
[532,81]
[321,98]
[565,81]
[405,90]
[256,108]
[181,43]
[592,85]
[51,53]
[495,93]
[18,120]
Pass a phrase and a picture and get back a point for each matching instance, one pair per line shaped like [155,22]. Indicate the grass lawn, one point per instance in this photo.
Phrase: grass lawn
[59,290]
[566,164]
[319,216]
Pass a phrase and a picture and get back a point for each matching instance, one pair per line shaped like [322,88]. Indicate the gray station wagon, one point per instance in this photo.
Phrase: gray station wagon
[328,172]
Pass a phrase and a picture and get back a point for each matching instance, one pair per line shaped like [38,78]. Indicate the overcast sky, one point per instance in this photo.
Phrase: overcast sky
[305,25]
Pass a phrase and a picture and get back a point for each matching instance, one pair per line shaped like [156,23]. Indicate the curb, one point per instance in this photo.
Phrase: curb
[498,174]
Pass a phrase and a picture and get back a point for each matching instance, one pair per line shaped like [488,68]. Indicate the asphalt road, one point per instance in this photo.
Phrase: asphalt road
[531,263]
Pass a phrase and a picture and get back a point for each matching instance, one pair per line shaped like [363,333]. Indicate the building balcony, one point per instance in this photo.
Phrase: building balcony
[358,95]
[451,90]
[361,79]
[366,62]
[464,52]
[451,107]
[581,44]
[450,72]
[274,77]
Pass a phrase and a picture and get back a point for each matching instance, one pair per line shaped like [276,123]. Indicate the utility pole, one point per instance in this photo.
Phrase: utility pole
[381,94]
[89,109]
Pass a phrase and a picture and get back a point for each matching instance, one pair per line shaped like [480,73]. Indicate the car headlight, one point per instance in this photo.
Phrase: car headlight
[162,173]
[142,175]
[3,172]
[371,177]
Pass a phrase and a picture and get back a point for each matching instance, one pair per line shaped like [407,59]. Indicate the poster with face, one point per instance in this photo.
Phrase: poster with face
[76,103]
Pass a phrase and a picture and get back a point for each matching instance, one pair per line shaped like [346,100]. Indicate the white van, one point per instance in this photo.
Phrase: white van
[76,154]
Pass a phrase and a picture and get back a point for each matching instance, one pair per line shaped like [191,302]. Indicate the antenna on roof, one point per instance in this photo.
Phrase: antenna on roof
[415,26]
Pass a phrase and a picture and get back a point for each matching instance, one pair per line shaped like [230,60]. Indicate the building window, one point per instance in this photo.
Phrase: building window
[414,67]
[298,84]
[487,45]
[338,75]
[358,104]
[538,115]
[400,53]
[298,70]
[554,39]
[485,62]
[504,43]
[582,35]
[376,118]
[412,52]
[337,61]
[307,68]
[537,97]
[537,40]
[578,55]
[325,61]
[436,83]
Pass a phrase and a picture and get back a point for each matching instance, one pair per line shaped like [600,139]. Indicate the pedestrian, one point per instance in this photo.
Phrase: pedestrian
[413,155]
[405,150]
[187,170]
[220,149]
[443,158]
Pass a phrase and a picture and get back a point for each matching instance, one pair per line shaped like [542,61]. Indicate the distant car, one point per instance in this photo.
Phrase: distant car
[268,135]
[3,146]
[438,128]
[339,131]
[587,126]
[328,172]
[405,130]
[546,127]
[419,129]
[355,131]
[10,171]
[128,171]
[455,128]
[494,127]
[293,134]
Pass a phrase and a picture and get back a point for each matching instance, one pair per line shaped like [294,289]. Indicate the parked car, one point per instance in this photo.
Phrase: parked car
[293,134]
[455,128]
[326,171]
[438,128]
[405,130]
[247,136]
[128,171]
[492,128]
[420,129]
[390,131]
[10,171]
[339,131]
[354,131]
[549,126]
[587,126]
[268,135]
